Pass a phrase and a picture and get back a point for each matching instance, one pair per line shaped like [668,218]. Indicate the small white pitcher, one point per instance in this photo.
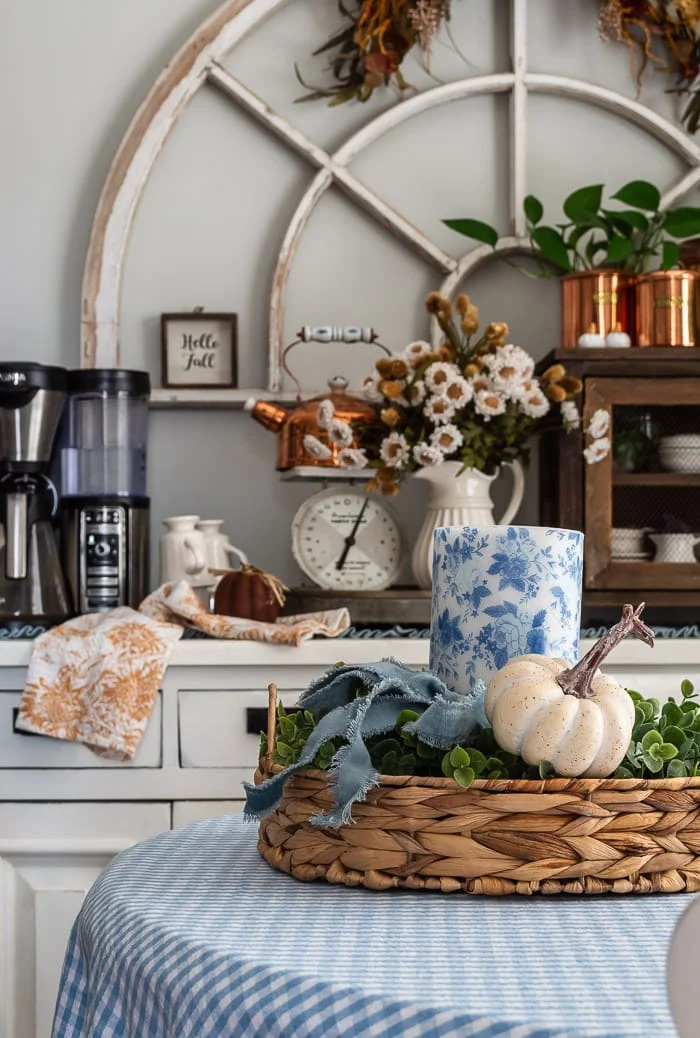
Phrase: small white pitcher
[183,554]
[218,547]
[675,547]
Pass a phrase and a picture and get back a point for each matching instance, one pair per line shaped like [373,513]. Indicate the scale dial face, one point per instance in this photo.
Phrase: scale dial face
[321,530]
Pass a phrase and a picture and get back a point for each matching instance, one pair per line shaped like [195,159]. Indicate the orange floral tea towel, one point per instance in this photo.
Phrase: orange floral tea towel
[95,679]
[178,603]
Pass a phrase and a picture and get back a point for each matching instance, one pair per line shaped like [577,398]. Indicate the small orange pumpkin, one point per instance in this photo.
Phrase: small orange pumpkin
[250,593]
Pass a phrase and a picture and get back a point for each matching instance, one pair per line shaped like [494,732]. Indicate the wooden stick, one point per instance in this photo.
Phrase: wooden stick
[271,718]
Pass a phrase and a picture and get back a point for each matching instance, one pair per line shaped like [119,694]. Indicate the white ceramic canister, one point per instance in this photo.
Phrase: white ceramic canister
[183,554]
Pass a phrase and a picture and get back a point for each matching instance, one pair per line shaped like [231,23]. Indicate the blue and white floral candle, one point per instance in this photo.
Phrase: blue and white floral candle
[500,592]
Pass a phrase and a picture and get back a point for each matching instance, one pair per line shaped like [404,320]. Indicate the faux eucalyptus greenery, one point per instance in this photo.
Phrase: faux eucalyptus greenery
[596,235]
[665,739]
[665,744]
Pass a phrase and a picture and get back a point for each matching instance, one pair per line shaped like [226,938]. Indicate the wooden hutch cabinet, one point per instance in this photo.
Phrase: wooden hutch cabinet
[639,506]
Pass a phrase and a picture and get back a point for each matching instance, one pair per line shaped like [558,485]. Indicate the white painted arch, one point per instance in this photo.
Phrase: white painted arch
[198,62]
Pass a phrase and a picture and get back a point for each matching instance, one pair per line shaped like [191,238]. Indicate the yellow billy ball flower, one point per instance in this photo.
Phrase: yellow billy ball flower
[398,368]
[462,304]
[554,392]
[391,388]
[391,416]
[554,373]
[390,489]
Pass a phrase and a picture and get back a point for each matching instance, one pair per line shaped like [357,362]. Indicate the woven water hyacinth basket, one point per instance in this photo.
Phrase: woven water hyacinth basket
[500,836]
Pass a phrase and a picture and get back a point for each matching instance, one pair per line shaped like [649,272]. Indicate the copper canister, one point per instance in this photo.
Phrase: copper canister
[604,298]
[666,308]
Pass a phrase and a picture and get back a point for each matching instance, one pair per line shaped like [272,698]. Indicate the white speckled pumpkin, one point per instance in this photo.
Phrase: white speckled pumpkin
[572,716]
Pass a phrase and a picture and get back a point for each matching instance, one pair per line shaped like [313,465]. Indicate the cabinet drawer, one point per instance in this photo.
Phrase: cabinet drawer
[221,729]
[24,750]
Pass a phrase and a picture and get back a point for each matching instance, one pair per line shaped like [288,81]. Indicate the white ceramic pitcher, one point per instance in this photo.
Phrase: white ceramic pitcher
[675,547]
[218,547]
[458,500]
[183,552]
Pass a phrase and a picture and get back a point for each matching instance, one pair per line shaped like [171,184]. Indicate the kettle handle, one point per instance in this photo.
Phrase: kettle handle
[328,333]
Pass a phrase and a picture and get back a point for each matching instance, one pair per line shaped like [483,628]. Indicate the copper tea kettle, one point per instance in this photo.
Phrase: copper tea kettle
[294,424]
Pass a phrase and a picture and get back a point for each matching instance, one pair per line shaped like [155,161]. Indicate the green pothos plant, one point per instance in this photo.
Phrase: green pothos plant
[629,232]
[665,743]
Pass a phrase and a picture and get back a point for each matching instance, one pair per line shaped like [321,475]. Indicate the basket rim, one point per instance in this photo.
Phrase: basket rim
[551,785]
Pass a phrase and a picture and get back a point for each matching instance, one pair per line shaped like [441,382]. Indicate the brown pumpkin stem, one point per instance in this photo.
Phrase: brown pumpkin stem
[578,679]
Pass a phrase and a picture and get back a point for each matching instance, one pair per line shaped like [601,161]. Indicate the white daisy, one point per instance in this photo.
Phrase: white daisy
[325,413]
[415,352]
[459,392]
[352,458]
[570,417]
[447,438]
[534,404]
[340,433]
[480,383]
[316,449]
[424,454]
[599,424]
[439,374]
[415,394]
[439,409]
[525,388]
[597,450]
[370,389]
[489,403]
[394,450]
[508,363]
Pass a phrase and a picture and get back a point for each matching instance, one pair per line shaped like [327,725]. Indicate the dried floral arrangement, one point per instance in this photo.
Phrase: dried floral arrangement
[369,51]
[665,33]
[476,400]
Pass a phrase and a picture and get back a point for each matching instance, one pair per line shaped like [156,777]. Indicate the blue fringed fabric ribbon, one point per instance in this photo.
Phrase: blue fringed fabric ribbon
[387,688]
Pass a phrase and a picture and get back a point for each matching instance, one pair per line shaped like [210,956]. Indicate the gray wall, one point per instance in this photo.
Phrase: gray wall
[72,73]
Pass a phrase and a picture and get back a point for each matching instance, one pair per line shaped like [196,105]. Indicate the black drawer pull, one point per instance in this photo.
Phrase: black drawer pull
[255,720]
[20,731]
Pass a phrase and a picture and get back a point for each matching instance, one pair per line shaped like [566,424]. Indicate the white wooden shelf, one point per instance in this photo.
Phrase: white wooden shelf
[232,399]
[323,474]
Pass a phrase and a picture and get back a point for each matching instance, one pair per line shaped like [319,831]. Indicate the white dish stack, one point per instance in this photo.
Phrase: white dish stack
[680,453]
[629,544]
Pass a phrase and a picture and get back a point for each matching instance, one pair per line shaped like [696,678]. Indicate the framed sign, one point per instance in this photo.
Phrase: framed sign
[199,350]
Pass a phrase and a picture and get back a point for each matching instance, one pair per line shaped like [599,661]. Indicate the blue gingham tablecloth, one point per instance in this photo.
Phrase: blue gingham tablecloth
[193,934]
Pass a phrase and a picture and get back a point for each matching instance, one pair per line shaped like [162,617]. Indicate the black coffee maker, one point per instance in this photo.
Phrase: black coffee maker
[32,585]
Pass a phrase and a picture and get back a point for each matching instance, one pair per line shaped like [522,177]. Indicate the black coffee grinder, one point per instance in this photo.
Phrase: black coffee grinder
[32,585]
[104,505]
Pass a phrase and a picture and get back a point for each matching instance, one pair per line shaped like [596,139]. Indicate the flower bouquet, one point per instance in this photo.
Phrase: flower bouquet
[475,399]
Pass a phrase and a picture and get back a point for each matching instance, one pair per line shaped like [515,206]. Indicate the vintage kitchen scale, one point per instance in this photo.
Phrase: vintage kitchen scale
[347,542]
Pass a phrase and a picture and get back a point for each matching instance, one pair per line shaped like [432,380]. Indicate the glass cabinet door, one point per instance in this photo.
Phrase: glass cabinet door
[642,500]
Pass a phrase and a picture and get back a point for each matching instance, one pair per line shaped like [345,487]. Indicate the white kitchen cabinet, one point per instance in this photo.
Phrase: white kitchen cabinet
[221,726]
[65,812]
[20,749]
[50,855]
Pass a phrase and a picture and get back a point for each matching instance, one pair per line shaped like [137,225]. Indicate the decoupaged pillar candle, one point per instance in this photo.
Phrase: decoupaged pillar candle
[500,592]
